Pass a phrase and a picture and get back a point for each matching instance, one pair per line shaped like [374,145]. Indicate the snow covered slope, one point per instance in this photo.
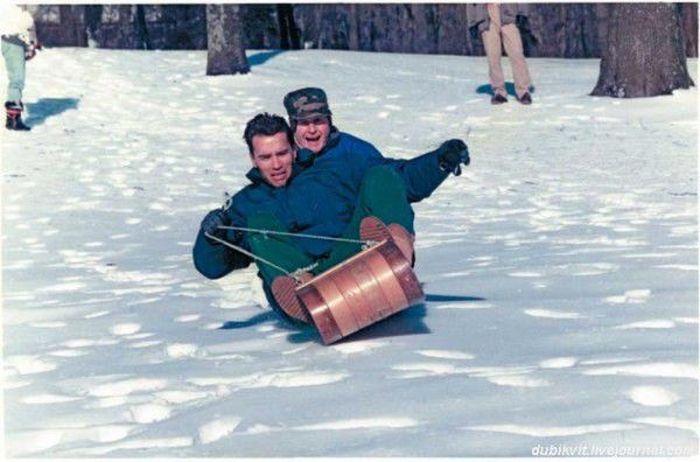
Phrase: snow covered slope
[561,268]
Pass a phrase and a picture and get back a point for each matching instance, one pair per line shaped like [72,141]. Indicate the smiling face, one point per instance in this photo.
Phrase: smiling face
[273,156]
[313,133]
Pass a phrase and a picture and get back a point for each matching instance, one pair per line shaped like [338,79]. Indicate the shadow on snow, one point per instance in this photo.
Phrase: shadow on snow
[486,89]
[263,56]
[407,322]
[48,107]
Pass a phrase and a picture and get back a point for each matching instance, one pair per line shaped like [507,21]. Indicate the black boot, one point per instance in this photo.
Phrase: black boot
[14,117]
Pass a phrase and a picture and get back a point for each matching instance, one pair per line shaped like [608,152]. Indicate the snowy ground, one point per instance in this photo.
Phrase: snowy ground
[561,269]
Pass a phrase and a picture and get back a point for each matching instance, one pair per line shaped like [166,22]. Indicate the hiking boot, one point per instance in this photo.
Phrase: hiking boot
[498,99]
[374,229]
[14,117]
[526,99]
[284,291]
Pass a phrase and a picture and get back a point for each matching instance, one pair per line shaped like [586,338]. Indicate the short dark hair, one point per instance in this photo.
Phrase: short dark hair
[268,125]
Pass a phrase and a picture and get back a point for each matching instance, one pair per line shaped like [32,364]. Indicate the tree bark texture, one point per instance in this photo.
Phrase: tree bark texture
[563,30]
[226,53]
[289,32]
[689,20]
[645,52]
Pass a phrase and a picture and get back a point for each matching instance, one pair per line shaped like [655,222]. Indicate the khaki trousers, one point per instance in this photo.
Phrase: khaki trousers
[513,45]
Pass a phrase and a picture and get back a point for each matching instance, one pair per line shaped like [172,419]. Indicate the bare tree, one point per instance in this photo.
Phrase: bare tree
[226,53]
[645,52]
[289,32]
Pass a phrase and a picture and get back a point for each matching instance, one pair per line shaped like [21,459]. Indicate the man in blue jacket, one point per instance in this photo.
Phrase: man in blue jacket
[327,188]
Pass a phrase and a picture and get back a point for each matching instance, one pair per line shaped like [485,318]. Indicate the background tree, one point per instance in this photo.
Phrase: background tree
[645,52]
[226,53]
[289,32]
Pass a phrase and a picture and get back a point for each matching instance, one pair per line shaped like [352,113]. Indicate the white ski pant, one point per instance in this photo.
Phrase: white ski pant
[15,65]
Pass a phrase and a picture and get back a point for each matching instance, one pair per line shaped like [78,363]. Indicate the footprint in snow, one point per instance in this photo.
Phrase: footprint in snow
[551,314]
[426,369]
[67,353]
[652,396]
[522,381]
[96,314]
[31,442]
[104,403]
[668,369]
[650,324]
[188,318]
[464,306]
[139,336]
[281,379]
[145,344]
[180,396]
[359,346]
[445,354]
[543,432]
[149,413]
[125,329]
[85,342]
[558,363]
[127,387]
[637,296]
[181,350]
[27,364]
[217,429]
[362,423]
[525,274]
[48,324]
[49,398]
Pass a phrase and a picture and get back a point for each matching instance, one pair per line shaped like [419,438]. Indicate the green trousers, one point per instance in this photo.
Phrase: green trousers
[15,64]
[382,194]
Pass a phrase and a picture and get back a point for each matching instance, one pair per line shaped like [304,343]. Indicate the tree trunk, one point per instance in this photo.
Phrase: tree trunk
[289,32]
[226,53]
[689,19]
[645,52]
[142,28]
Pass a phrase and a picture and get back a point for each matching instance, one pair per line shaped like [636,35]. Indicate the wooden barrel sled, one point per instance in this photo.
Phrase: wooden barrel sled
[368,287]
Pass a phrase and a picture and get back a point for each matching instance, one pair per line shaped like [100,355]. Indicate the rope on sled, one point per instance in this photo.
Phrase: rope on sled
[295,274]
[311,236]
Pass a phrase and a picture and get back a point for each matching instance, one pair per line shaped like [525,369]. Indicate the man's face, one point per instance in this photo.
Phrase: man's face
[274,157]
[313,133]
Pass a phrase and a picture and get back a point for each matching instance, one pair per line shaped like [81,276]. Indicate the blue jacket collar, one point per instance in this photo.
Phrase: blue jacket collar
[256,177]
[306,157]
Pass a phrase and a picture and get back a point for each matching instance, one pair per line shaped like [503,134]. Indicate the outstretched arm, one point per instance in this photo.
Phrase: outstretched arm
[423,174]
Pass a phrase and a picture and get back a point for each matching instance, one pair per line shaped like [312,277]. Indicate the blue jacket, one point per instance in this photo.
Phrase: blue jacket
[319,198]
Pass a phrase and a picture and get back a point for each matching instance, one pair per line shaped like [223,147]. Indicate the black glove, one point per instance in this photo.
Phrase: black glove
[213,220]
[451,154]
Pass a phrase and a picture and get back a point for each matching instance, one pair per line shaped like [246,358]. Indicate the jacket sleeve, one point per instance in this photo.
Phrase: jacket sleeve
[422,175]
[214,260]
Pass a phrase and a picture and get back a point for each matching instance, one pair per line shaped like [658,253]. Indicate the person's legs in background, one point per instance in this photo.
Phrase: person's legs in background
[513,44]
[492,45]
[16,68]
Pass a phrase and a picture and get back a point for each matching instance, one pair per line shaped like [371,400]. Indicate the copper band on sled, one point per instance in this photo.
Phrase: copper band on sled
[360,291]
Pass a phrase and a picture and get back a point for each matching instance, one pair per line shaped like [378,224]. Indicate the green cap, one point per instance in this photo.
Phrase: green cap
[306,103]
